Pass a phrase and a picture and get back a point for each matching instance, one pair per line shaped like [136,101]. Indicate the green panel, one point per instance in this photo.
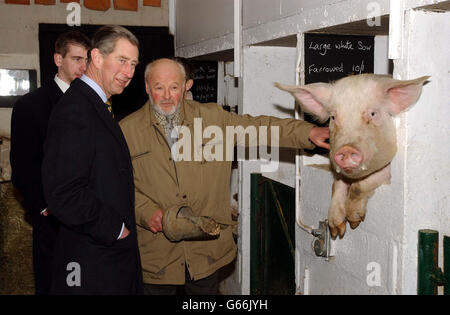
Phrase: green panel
[446,265]
[256,279]
[272,237]
[427,262]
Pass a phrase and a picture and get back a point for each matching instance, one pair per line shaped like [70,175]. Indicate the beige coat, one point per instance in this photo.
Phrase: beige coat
[202,184]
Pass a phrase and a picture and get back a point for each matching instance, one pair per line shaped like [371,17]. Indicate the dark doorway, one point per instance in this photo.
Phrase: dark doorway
[155,42]
[272,237]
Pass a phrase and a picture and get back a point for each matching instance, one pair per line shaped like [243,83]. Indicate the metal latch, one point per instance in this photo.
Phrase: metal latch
[321,245]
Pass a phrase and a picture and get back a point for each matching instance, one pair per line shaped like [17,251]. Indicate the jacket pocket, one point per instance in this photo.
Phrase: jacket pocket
[140,155]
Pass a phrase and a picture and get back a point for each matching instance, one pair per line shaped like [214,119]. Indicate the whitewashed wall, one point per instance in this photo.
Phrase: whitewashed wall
[208,27]
[262,67]
[426,137]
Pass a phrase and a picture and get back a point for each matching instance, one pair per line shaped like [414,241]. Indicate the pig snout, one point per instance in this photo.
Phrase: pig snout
[348,158]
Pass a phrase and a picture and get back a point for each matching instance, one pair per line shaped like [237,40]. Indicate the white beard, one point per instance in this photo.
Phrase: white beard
[161,111]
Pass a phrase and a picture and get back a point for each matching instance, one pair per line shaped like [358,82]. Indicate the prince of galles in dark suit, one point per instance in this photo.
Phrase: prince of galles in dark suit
[28,131]
[88,176]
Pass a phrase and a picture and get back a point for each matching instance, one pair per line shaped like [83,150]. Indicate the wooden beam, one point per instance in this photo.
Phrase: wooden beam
[17,1]
[152,3]
[46,2]
[129,5]
[99,5]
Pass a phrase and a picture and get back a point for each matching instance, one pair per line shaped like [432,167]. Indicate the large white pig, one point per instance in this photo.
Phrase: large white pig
[362,136]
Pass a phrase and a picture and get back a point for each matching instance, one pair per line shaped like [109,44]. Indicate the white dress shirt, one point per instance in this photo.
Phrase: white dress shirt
[62,85]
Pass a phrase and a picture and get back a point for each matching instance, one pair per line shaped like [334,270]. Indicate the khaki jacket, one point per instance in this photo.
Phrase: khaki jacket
[199,182]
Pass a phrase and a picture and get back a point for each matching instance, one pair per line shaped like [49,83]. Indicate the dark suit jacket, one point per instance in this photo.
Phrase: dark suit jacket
[28,129]
[88,183]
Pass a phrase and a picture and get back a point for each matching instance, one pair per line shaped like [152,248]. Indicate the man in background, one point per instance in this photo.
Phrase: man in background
[28,131]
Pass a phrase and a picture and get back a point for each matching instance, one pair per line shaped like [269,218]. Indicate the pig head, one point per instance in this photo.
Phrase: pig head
[362,136]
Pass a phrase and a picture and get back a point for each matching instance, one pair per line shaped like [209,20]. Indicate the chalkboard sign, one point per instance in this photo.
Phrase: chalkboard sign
[204,74]
[331,57]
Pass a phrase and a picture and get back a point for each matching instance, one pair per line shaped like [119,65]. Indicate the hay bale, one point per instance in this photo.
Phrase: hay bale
[16,256]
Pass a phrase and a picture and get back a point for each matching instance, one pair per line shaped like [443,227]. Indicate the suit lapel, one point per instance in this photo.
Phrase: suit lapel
[103,114]
[107,119]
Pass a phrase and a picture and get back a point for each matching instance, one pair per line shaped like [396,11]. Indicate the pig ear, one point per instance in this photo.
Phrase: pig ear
[403,94]
[312,97]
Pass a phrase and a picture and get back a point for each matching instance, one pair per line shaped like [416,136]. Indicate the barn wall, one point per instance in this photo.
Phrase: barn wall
[426,136]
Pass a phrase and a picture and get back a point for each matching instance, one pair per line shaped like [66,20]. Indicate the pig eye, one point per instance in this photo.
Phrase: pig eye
[373,114]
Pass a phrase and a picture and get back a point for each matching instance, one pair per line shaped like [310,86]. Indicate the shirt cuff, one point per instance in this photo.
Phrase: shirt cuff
[121,231]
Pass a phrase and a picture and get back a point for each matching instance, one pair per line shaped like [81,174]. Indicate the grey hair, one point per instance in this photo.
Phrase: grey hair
[105,39]
[149,67]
